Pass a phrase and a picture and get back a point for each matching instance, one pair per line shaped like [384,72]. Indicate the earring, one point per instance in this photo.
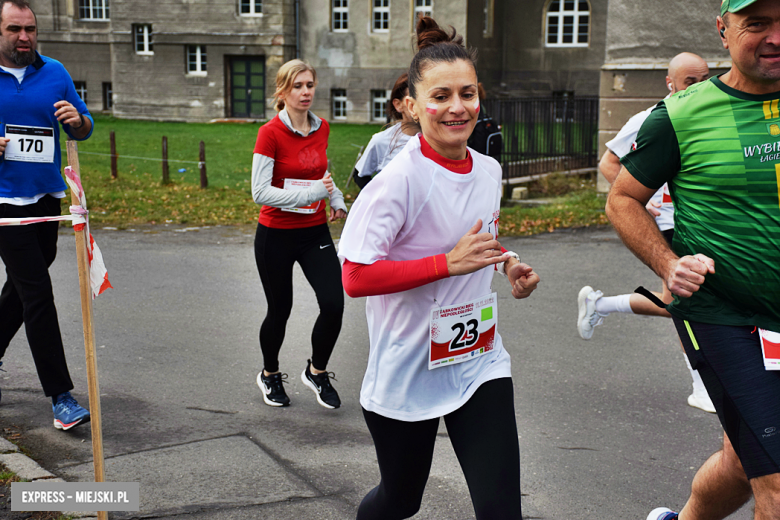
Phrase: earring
[416,120]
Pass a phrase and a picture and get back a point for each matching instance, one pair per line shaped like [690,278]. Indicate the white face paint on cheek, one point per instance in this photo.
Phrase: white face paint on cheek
[476,105]
[432,108]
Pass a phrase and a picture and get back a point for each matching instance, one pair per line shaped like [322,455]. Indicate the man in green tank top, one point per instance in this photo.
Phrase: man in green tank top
[717,144]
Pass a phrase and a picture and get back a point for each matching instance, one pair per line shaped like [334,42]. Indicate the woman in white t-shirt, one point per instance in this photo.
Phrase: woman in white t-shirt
[421,243]
[386,144]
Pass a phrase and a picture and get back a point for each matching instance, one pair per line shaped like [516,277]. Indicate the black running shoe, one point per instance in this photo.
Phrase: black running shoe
[273,391]
[320,385]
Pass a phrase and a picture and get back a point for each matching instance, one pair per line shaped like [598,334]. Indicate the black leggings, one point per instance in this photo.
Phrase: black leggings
[276,250]
[483,433]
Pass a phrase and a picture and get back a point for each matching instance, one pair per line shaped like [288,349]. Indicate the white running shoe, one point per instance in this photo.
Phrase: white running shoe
[662,513]
[588,317]
[702,401]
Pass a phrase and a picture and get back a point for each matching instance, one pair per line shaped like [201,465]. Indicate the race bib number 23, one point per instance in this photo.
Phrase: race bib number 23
[29,144]
[462,332]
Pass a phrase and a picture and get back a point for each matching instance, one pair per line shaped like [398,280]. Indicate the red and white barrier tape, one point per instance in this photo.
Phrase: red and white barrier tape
[98,276]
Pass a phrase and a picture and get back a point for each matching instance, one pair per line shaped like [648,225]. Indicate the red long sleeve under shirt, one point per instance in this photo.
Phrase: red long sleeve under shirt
[390,276]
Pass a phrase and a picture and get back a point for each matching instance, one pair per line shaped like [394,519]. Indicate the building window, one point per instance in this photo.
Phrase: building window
[340,15]
[379,104]
[108,97]
[143,38]
[250,7]
[421,8]
[81,89]
[339,100]
[196,60]
[381,16]
[568,23]
[93,9]
[488,10]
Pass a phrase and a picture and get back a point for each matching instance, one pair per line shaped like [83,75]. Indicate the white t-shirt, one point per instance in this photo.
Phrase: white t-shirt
[623,143]
[382,147]
[19,72]
[416,209]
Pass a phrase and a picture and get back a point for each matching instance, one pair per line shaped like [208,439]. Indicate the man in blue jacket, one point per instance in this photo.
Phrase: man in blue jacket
[37,97]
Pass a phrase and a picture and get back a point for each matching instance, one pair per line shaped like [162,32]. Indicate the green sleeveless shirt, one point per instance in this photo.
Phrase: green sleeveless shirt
[719,149]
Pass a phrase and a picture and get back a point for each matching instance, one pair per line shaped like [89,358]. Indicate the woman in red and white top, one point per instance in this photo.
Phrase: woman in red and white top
[291,181]
[421,243]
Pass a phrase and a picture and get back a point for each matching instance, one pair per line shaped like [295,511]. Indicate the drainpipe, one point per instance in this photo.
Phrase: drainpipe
[297,29]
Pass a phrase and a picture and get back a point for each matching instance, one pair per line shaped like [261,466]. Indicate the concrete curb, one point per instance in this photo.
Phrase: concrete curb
[26,468]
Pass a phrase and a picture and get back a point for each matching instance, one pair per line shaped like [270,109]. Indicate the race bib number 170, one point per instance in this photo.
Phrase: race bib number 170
[29,144]
[462,332]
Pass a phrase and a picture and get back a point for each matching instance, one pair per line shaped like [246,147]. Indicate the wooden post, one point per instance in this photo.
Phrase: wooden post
[113,155]
[165,176]
[85,289]
[204,182]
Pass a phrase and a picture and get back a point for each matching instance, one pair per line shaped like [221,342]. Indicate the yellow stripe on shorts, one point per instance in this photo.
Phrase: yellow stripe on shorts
[690,333]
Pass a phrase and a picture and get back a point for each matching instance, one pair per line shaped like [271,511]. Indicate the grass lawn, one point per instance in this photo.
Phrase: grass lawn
[138,196]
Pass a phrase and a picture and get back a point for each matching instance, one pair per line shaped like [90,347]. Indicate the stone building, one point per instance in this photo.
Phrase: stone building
[185,60]
[640,42]
[200,60]
[539,48]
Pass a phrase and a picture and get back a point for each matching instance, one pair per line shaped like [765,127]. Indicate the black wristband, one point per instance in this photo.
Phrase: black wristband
[81,116]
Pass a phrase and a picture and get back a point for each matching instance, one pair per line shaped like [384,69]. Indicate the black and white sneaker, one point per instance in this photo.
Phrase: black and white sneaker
[273,391]
[320,385]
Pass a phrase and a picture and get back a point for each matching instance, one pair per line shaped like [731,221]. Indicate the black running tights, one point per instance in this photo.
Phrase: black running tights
[276,251]
[483,433]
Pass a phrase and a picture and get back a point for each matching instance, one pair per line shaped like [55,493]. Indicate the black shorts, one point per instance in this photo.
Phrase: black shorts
[745,395]
[668,235]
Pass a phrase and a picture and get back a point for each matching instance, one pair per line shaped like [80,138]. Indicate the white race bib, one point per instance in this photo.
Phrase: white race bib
[301,184]
[462,332]
[29,144]
[770,347]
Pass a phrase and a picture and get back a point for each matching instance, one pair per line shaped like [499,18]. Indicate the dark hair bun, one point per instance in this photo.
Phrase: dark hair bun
[429,33]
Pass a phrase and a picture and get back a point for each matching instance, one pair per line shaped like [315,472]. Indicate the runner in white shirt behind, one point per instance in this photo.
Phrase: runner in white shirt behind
[685,69]
[421,244]
[386,144]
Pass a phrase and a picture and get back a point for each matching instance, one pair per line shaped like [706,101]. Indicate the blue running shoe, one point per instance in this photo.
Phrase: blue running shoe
[68,413]
[662,513]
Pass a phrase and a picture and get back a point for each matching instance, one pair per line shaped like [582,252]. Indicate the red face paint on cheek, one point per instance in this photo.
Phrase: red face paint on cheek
[476,106]
[432,108]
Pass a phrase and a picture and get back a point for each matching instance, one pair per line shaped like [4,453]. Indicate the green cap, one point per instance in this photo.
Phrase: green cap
[732,6]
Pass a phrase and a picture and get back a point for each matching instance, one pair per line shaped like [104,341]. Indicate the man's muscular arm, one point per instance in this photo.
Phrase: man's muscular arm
[626,210]
[609,166]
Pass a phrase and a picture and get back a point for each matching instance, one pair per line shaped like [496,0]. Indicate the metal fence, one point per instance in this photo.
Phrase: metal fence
[543,135]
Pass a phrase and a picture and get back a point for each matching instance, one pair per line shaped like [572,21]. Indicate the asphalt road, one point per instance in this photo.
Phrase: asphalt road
[605,431]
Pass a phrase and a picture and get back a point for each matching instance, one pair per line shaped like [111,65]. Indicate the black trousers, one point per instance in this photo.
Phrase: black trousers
[276,251]
[27,297]
[483,433]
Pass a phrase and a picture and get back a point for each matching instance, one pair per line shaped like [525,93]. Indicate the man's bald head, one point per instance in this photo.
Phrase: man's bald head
[685,69]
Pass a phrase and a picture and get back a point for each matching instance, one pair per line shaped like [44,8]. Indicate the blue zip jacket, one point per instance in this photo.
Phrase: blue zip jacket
[31,103]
